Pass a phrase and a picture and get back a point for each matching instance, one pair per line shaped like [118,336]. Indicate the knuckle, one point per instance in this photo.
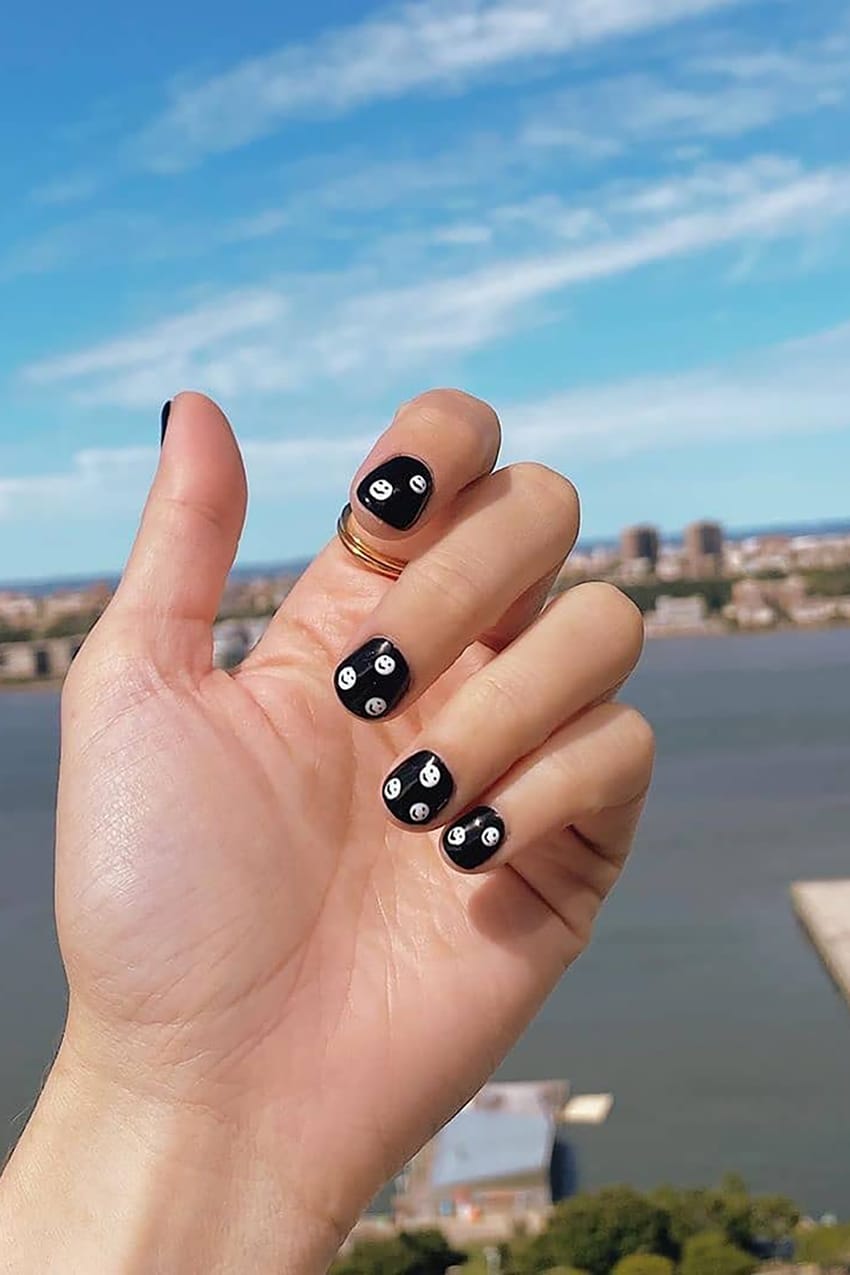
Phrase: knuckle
[498,699]
[450,580]
[640,738]
[621,618]
[555,497]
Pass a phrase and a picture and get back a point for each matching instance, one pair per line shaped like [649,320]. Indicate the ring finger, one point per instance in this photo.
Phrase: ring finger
[579,650]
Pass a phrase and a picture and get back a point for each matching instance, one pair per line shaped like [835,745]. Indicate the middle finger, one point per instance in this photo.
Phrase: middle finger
[507,532]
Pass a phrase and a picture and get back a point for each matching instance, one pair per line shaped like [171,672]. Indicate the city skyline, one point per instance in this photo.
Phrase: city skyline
[627,226]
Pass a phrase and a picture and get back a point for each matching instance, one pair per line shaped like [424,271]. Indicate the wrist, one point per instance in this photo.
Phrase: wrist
[103,1179]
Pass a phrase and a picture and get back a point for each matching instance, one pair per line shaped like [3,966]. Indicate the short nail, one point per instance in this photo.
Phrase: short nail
[418,789]
[397,491]
[474,838]
[163,420]
[373,679]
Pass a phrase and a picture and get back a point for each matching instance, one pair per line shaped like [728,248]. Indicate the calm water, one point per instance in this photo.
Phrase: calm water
[700,1006]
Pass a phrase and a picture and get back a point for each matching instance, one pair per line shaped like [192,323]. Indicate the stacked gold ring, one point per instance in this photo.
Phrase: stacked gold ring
[384,565]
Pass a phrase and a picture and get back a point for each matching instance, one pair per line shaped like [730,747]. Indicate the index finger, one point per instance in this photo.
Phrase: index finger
[437,444]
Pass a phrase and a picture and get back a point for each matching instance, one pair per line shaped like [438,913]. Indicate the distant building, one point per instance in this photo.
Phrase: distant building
[45,659]
[18,609]
[640,543]
[504,1156]
[233,639]
[678,615]
[704,548]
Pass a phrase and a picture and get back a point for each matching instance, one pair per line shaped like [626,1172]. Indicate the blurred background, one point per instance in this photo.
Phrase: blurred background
[626,223]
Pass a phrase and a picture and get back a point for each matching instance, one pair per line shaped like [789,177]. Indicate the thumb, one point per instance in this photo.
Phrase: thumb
[172,585]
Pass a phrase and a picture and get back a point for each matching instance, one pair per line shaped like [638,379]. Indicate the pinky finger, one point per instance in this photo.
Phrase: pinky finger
[590,777]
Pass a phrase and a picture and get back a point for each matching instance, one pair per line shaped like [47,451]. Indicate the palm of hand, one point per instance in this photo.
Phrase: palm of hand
[233,901]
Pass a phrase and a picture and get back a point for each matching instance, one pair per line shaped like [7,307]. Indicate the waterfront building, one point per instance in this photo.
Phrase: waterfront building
[504,1156]
[233,639]
[678,615]
[640,544]
[704,548]
[46,659]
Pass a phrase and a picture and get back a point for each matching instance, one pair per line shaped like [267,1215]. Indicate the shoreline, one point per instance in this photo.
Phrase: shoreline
[56,683]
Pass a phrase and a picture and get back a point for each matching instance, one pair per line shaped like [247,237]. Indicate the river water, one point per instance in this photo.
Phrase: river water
[700,1005]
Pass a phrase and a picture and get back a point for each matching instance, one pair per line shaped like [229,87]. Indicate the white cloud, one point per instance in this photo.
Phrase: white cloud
[96,481]
[315,329]
[100,481]
[427,45]
[177,337]
[711,97]
[66,190]
[795,388]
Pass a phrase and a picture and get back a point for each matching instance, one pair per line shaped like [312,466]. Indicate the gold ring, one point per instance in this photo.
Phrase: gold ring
[385,566]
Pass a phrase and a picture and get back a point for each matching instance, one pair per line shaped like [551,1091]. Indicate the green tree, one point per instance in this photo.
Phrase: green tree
[643,1264]
[72,625]
[12,633]
[717,593]
[409,1253]
[750,1222]
[824,1245]
[593,1232]
[709,1253]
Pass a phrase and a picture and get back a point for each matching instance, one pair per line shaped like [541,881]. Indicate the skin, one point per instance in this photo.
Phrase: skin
[277,994]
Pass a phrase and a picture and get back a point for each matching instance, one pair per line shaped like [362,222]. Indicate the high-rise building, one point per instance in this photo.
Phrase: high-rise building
[639,542]
[704,548]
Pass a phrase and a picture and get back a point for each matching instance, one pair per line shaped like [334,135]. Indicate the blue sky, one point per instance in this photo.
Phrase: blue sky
[626,223]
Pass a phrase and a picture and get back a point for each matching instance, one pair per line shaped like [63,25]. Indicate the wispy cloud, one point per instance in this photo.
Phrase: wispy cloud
[425,46]
[796,388]
[100,481]
[716,97]
[73,189]
[301,332]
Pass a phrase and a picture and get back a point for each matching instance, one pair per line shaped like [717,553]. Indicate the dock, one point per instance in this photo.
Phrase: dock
[823,908]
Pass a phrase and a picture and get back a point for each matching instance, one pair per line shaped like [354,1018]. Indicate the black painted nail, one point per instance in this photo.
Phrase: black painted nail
[372,680]
[397,491]
[163,421]
[418,789]
[474,838]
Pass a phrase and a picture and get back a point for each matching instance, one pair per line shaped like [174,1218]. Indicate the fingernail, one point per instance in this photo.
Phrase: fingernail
[417,790]
[372,680]
[474,838]
[163,420]
[397,491]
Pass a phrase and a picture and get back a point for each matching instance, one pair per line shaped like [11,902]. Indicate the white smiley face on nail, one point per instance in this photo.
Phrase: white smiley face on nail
[419,812]
[491,837]
[381,489]
[392,789]
[456,836]
[385,664]
[375,706]
[429,775]
[346,678]
[419,484]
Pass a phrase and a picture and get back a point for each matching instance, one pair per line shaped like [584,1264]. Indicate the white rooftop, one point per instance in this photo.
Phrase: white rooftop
[824,909]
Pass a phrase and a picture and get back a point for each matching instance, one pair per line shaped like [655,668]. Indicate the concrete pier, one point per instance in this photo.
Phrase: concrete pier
[823,908]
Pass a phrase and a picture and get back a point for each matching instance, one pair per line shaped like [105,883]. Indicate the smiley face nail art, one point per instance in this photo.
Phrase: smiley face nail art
[397,491]
[418,789]
[474,838]
[373,679]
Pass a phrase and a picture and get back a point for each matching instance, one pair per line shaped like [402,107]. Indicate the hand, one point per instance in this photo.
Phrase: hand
[261,952]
